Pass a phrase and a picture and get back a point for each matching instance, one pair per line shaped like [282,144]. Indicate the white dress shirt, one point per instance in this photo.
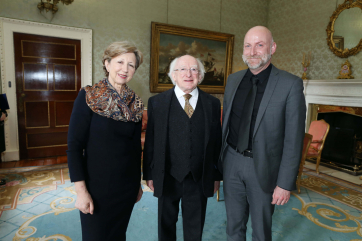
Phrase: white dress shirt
[180,96]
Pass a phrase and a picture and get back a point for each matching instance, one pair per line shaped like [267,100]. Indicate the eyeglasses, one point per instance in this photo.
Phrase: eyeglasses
[184,70]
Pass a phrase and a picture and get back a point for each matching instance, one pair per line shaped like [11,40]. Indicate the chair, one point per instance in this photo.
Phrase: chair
[144,127]
[306,144]
[319,130]
[143,133]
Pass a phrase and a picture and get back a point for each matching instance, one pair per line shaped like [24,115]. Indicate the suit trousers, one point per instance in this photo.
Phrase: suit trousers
[243,196]
[193,205]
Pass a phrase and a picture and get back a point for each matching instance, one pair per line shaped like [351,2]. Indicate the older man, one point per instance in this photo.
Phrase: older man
[263,130]
[183,141]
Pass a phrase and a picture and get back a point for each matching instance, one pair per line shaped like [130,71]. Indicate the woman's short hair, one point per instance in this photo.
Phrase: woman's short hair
[200,66]
[118,48]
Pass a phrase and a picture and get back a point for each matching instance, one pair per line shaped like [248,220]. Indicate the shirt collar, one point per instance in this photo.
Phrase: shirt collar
[262,76]
[179,93]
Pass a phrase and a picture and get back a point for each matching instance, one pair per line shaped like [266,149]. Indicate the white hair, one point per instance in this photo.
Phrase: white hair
[199,64]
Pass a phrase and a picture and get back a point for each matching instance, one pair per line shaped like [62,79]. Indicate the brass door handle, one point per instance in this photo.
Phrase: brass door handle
[21,102]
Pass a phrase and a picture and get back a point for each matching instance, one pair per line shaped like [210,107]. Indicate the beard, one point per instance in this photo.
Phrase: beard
[263,60]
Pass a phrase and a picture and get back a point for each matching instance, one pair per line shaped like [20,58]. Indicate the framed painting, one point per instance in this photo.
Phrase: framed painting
[214,49]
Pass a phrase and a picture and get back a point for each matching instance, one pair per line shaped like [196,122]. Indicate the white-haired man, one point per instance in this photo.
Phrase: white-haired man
[183,141]
[263,131]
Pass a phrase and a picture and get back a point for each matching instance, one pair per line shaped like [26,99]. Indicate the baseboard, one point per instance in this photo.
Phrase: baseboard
[8,156]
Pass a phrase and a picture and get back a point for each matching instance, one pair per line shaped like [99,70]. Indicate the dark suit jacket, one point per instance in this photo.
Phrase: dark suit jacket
[154,155]
[279,128]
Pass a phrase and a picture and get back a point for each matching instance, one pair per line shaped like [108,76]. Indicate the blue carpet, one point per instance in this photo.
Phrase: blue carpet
[307,216]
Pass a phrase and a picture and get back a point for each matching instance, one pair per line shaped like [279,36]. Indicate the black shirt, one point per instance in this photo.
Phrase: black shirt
[239,101]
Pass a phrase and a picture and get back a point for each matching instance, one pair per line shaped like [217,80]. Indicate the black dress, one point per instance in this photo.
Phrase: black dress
[110,165]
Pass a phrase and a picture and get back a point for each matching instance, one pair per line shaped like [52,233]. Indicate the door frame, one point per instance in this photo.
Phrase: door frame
[7,27]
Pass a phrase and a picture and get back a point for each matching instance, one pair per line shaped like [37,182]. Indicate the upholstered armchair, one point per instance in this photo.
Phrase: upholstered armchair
[306,145]
[319,130]
[143,133]
[144,127]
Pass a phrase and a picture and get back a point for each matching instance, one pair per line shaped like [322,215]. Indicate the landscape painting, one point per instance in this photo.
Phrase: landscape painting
[213,49]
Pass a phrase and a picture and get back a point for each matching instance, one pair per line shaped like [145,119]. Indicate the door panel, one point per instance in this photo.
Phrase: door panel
[48,78]
[65,77]
[45,49]
[40,140]
[63,110]
[36,114]
[35,76]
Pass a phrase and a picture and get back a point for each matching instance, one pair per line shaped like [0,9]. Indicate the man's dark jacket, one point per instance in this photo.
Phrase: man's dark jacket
[154,155]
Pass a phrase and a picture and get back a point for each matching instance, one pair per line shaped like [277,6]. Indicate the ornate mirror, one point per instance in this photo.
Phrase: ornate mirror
[344,30]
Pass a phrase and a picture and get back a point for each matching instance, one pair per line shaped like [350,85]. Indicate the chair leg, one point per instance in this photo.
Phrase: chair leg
[300,176]
[298,182]
[317,164]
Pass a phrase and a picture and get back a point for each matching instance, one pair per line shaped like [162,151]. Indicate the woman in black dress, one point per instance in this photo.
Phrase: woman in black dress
[104,147]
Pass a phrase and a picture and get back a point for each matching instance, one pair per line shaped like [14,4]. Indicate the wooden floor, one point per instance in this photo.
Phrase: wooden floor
[35,162]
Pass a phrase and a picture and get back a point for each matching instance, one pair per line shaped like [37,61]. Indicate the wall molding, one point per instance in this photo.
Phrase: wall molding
[7,27]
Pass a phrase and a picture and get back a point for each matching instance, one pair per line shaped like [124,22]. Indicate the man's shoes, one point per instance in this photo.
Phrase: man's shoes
[2,182]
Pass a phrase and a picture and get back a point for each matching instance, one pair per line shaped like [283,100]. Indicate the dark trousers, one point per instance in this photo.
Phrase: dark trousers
[243,195]
[193,205]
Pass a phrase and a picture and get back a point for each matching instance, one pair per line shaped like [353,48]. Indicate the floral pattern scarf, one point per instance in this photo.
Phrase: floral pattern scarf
[103,99]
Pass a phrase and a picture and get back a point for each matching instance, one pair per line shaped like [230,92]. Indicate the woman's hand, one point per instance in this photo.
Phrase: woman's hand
[140,193]
[84,200]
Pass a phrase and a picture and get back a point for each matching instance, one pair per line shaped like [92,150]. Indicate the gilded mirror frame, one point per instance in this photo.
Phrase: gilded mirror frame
[343,53]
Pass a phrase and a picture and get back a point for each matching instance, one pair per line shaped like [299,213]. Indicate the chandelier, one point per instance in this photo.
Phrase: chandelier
[51,5]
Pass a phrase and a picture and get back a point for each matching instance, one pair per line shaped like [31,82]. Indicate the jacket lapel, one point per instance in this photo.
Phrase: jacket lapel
[272,82]
[225,121]
[207,106]
[164,109]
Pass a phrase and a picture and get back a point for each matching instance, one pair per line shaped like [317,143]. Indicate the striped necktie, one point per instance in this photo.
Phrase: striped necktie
[188,108]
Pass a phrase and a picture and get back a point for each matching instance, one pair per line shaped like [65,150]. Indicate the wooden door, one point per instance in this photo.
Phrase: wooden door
[48,79]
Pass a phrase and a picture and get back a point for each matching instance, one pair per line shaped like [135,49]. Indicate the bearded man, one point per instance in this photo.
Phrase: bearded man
[262,137]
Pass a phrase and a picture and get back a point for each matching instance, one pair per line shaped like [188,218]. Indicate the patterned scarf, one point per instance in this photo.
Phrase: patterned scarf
[103,99]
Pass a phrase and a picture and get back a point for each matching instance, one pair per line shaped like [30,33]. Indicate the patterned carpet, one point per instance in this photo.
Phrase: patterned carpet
[38,205]
[334,188]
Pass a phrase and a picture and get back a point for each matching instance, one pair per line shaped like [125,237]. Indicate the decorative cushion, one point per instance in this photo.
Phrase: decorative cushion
[318,130]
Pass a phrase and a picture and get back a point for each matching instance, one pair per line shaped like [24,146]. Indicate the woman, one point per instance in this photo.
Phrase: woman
[104,147]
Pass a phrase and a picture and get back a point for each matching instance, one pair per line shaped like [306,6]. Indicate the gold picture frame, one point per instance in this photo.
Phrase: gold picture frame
[214,49]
